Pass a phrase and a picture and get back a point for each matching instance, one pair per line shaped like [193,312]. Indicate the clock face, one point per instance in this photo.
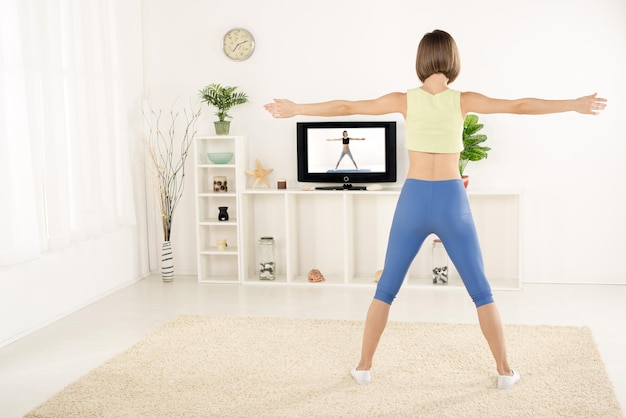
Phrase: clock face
[238,44]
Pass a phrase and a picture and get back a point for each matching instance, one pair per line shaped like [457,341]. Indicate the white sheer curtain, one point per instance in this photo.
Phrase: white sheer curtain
[68,103]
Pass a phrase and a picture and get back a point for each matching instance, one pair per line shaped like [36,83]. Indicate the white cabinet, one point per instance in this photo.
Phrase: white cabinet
[344,235]
[218,264]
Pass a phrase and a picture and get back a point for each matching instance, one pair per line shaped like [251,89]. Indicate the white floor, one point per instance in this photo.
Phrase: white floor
[40,364]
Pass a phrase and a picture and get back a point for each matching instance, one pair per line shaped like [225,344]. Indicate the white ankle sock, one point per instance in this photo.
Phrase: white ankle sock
[507,382]
[362,377]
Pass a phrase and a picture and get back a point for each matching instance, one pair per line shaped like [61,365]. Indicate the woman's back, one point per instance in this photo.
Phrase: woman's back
[434,150]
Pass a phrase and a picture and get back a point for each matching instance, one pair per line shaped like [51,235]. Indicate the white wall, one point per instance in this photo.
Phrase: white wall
[40,291]
[567,165]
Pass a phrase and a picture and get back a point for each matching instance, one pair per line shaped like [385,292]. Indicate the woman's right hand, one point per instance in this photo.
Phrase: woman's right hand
[281,108]
[590,105]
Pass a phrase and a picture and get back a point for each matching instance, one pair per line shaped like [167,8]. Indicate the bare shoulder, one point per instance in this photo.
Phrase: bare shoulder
[479,103]
[394,102]
[471,97]
[389,103]
[396,96]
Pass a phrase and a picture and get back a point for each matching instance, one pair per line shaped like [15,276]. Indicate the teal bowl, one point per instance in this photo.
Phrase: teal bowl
[220,157]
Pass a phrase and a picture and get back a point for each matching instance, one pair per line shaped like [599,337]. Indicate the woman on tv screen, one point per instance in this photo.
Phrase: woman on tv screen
[345,148]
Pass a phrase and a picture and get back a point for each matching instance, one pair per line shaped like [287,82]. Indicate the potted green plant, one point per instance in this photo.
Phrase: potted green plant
[223,98]
[472,148]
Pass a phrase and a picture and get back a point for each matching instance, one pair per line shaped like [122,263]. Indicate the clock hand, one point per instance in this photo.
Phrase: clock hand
[236,46]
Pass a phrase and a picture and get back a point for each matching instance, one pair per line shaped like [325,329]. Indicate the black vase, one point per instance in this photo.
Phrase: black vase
[223,215]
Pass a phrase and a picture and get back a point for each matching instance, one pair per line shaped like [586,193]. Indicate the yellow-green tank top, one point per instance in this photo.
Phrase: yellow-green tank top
[434,122]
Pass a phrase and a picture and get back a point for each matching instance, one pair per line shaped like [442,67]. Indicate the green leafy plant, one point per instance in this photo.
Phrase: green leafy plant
[223,98]
[472,148]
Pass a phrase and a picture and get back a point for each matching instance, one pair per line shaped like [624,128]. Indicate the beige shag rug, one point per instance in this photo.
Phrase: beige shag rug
[197,366]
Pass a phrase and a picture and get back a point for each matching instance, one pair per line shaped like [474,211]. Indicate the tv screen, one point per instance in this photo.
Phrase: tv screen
[346,153]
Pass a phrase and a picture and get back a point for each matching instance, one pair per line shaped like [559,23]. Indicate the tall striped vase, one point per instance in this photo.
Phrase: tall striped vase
[167,262]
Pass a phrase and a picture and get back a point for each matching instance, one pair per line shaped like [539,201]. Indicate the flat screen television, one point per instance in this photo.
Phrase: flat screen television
[346,152]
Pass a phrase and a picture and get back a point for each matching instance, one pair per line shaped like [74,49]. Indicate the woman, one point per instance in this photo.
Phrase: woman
[345,148]
[433,199]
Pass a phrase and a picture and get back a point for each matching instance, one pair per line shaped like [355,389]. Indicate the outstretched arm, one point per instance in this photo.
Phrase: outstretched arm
[478,103]
[389,103]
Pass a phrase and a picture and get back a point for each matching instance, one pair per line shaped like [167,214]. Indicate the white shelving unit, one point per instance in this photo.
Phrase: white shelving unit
[219,265]
[344,235]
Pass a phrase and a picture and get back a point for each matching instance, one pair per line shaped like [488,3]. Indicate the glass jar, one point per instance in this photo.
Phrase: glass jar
[439,263]
[266,259]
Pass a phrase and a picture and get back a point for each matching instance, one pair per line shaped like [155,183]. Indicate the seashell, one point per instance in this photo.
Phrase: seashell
[315,276]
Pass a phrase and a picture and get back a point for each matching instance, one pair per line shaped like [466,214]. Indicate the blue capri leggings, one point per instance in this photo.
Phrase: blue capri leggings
[441,208]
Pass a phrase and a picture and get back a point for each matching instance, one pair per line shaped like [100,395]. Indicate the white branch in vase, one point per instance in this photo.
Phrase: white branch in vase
[168,166]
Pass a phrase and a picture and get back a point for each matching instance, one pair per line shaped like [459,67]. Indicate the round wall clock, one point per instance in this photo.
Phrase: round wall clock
[238,44]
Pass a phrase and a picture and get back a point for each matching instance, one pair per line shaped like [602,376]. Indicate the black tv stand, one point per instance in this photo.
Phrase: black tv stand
[344,187]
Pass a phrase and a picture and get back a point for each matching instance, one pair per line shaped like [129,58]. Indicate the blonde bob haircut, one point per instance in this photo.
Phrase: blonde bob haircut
[437,53]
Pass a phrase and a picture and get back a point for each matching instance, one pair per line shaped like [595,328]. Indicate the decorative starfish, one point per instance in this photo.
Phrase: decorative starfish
[259,174]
